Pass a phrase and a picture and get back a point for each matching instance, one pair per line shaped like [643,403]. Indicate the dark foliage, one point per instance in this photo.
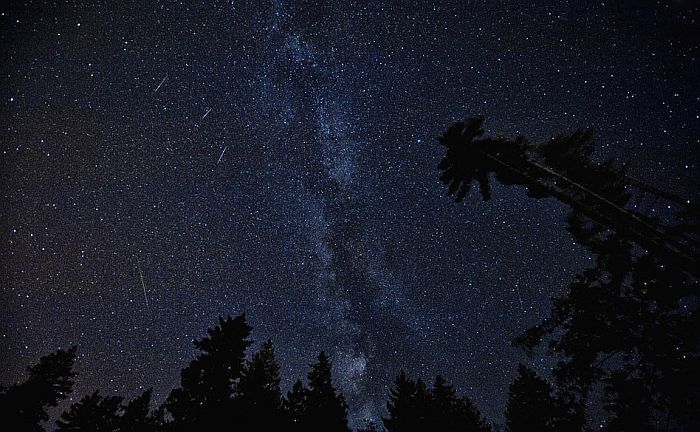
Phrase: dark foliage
[531,404]
[259,395]
[109,414]
[413,407]
[92,413]
[319,407]
[626,324]
[652,386]
[295,406]
[49,382]
[206,393]
[562,168]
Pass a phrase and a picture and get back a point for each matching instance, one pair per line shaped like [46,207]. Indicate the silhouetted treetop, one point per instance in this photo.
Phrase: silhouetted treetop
[258,392]
[137,416]
[531,404]
[295,406]
[206,394]
[49,382]
[412,407]
[563,168]
[326,408]
[626,323]
[99,413]
[92,413]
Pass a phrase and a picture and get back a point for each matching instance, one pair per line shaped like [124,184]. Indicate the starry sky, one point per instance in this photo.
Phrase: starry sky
[166,162]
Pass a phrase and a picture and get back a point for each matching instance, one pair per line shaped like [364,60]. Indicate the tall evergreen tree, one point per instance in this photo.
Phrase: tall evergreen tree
[469,417]
[447,412]
[407,405]
[531,405]
[49,382]
[626,323]
[259,397]
[326,409]
[205,396]
[562,168]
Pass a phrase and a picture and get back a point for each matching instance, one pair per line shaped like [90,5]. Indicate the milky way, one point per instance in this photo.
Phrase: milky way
[164,163]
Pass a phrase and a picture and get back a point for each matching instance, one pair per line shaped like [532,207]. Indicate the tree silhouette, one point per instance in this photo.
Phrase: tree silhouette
[259,398]
[99,413]
[413,408]
[205,397]
[531,405]
[562,168]
[626,323]
[49,382]
[326,409]
[136,415]
[92,413]
[407,405]
[449,413]
[319,407]
[294,406]
[647,383]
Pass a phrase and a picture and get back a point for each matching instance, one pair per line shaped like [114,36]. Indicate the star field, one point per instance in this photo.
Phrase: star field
[163,163]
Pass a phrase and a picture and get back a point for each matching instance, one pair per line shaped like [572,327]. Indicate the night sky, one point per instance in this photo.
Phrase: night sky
[279,159]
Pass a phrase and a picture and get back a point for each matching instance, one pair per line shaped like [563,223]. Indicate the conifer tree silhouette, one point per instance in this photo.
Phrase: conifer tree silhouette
[294,406]
[50,381]
[531,405]
[92,413]
[259,398]
[205,397]
[626,323]
[449,413]
[326,409]
[407,405]
[99,413]
[136,415]
[562,168]
[414,408]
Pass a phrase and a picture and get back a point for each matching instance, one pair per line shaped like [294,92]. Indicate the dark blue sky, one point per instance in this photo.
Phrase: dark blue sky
[279,159]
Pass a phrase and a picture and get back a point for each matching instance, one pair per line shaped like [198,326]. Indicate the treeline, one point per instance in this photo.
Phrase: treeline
[625,334]
[221,389]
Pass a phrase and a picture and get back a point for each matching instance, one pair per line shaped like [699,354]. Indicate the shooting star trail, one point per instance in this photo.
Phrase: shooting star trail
[206,114]
[161,83]
[517,289]
[222,155]
[143,285]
